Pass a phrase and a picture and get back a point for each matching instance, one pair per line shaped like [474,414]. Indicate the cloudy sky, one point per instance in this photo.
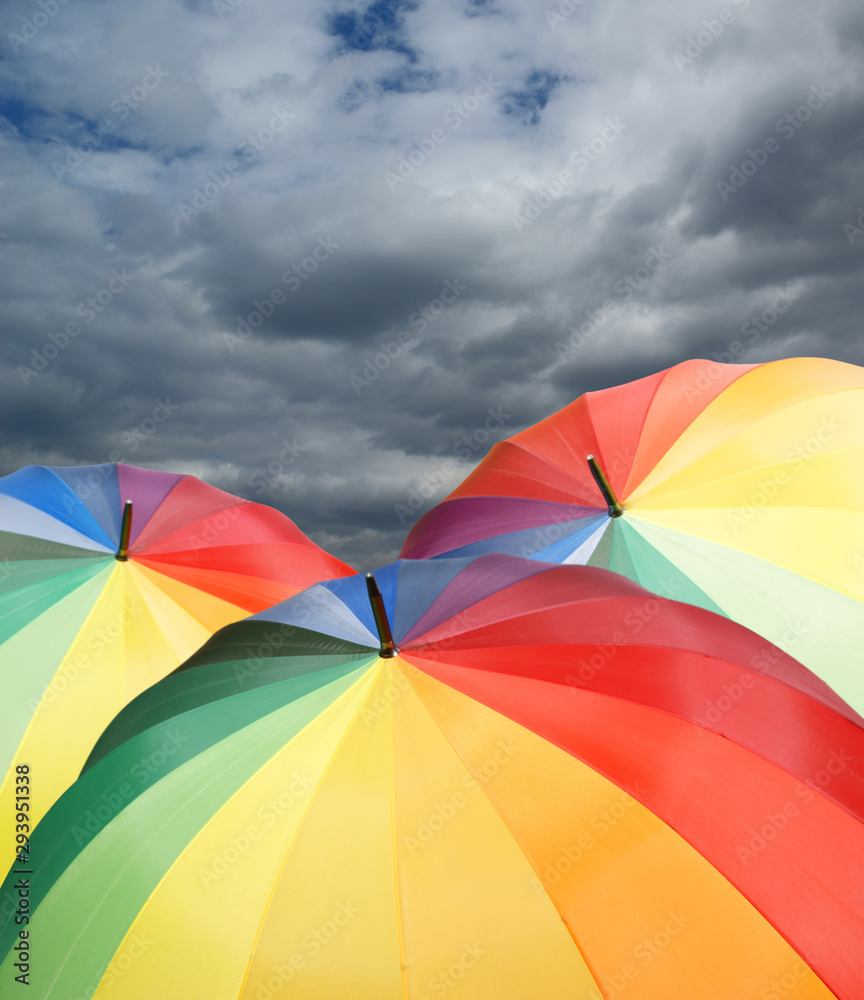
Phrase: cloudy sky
[323,254]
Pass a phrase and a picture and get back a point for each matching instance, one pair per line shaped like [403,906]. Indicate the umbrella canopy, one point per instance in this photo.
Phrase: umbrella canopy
[95,605]
[490,779]
[739,488]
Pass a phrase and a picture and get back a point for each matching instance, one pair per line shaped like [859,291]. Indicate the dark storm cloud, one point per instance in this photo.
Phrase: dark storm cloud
[288,318]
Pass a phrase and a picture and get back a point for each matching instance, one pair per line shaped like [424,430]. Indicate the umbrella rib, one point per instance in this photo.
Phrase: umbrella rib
[688,533]
[417,641]
[546,461]
[82,507]
[147,570]
[266,908]
[754,470]
[628,486]
[142,849]
[178,523]
[745,429]
[400,929]
[492,802]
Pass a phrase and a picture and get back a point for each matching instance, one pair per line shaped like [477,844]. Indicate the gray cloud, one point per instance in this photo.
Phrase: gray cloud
[171,174]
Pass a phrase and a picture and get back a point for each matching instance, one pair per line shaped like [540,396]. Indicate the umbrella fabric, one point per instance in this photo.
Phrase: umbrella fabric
[742,488]
[82,633]
[559,786]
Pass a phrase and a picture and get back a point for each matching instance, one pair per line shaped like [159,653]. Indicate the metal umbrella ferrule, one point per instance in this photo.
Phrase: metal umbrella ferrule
[388,646]
[615,508]
[122,553]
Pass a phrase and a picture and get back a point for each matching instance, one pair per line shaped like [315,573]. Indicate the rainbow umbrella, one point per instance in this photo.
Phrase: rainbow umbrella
[739,488]
[110,576]
[483,778]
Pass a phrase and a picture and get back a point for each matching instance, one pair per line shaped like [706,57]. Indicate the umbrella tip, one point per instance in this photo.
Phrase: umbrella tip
[388,646]
[122,553]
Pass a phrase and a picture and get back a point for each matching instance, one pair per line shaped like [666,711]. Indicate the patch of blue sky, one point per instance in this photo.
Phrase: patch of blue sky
[410,81]
[401,81]
[355,96]
[37,125]
[91,134]
[528,102]
[378,27]
[29,120]
[181,153]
